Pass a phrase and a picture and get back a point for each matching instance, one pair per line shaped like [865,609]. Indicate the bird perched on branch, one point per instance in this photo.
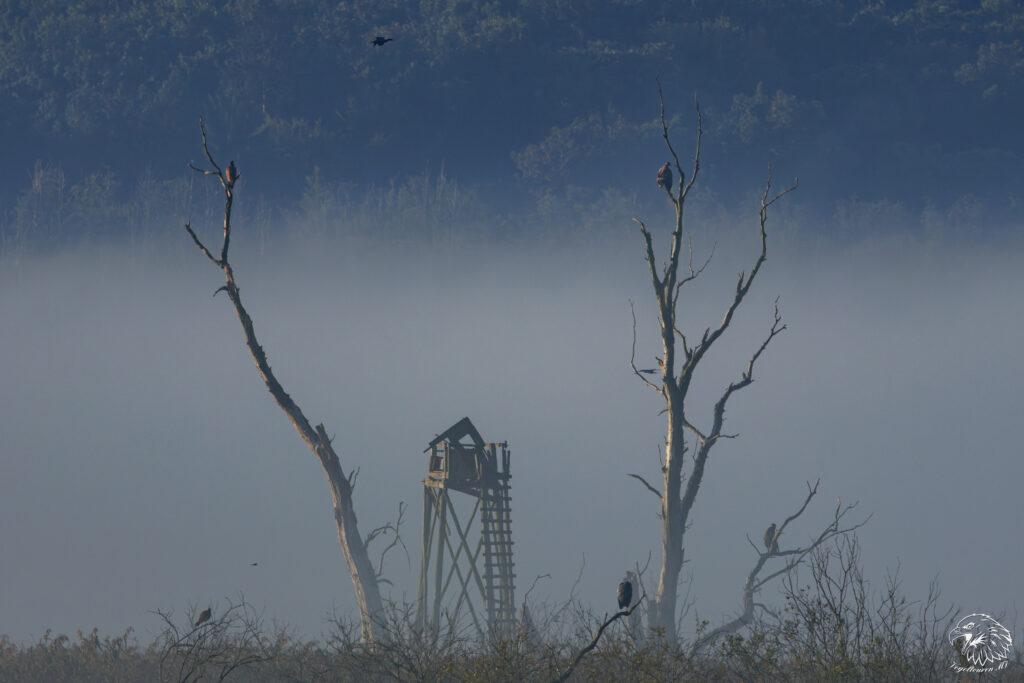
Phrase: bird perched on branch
[770,542]
[625,593]
[231,175]
[665,177]
[205,615]
[380,40]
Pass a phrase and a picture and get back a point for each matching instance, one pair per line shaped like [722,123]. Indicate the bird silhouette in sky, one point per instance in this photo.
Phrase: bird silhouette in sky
[380,40]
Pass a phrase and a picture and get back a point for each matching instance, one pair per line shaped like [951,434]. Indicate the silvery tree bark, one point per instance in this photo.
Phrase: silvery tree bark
[364,576]
[678,363]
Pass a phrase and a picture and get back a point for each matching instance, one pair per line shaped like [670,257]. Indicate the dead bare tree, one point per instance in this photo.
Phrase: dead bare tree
[790,557]
[677,503]
[365,578]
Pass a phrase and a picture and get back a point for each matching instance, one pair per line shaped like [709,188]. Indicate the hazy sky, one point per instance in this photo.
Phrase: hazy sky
[146,467]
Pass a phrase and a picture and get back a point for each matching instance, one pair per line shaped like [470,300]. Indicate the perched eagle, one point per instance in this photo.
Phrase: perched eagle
[665,177]
[981,639]
[232,175]
[205,615]
[625,593]
[770,542]
[380,40]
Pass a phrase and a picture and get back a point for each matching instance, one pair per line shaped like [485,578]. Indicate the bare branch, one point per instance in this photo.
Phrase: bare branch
[632,355]
[202,247]
[395,529]
[694,274]
[526,596]
[747,378]
[641,570]
[649,246]
[793,557]
[564,676]
[644,482]
[744,281]
[206,149]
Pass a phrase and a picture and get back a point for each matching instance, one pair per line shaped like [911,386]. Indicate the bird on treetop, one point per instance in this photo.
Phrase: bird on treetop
[205,615]
[625,593]
[380,40]
[665,177]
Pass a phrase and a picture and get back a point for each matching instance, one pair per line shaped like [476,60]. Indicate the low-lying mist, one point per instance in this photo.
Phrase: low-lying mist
[145,466]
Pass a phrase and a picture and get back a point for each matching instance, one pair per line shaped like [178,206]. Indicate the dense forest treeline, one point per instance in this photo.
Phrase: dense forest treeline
[522,102]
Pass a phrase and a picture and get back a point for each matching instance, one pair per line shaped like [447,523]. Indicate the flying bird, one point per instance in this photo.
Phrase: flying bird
[665,177]
[205,615]
[232,175]
[380,40]
[981,639]
[649,371]
[770,542]
[625,593]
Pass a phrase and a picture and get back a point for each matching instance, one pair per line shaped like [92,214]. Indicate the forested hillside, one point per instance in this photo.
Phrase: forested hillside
[520,105]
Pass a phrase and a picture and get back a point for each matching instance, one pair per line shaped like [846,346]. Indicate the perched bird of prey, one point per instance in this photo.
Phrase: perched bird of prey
[380,40]
[205,615]
[981,639]
[770,541]
[665,177]
[232,175]
[625,594]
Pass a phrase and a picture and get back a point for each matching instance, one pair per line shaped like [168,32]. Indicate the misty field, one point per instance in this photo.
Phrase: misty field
[834,628]
[511,341]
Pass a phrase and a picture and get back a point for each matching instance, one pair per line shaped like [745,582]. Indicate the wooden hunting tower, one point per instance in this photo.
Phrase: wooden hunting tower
[459,460]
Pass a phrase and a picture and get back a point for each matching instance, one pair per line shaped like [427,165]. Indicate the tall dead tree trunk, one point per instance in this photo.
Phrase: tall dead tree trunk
[364,576]
[676,501]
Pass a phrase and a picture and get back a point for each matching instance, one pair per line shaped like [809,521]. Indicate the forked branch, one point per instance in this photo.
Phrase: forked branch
[791,558]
